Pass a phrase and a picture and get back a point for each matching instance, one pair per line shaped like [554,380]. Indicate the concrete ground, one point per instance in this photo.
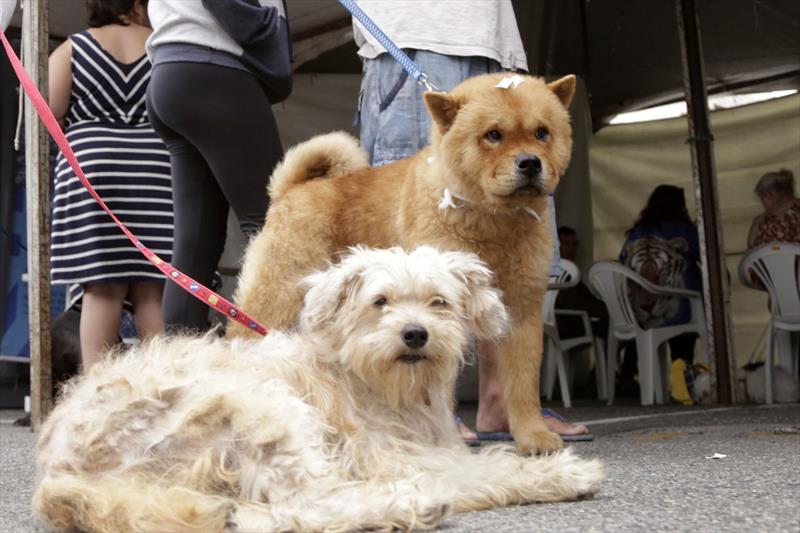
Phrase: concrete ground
[660,477]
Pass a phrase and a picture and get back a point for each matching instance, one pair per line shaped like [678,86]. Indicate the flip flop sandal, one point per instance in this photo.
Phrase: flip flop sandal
[506,436]
[494,436]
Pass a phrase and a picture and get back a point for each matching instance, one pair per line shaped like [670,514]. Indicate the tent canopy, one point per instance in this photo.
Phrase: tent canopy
[627,51]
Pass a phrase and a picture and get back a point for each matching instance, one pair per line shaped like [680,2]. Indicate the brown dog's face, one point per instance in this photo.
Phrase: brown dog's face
[502,147]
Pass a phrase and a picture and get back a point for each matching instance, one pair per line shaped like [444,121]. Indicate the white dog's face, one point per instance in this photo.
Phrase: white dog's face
[401,321]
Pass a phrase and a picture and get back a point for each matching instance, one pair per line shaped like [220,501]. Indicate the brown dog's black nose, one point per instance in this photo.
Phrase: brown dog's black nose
[529,166]
[414,336]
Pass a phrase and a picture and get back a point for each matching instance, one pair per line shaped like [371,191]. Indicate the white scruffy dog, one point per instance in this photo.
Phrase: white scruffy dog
[341,425]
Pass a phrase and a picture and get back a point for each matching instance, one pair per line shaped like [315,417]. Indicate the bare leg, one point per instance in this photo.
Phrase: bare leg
[148,312]
[492,414]
[101,314]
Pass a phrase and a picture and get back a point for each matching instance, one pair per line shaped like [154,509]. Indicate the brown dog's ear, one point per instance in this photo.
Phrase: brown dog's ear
[442,107]
[564,89]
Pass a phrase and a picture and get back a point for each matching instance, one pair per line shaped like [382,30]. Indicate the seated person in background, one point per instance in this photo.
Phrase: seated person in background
[662,247]
[780,221]
[579,297]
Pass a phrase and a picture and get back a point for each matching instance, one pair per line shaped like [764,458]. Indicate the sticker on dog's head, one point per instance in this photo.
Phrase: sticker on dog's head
[510,82]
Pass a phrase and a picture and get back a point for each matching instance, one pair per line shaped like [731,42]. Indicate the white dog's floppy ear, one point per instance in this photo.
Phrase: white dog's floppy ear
[442,108]
[564,88]
[328,289]
[486,314]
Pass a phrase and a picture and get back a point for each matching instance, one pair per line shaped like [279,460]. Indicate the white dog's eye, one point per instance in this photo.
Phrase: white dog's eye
[380,301]
[438,302]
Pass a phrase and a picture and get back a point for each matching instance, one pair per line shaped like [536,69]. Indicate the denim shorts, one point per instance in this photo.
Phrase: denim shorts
[392,115]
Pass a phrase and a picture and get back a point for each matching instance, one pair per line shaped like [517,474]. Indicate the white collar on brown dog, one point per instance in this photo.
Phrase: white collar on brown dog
[449,196]
[447,202]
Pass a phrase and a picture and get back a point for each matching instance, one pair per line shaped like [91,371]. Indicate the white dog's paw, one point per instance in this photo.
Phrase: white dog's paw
[413,508]
[431,515]
[573,477]
[590,478]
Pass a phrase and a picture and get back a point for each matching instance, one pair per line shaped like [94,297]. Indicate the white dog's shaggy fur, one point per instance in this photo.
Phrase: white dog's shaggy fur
[341,425]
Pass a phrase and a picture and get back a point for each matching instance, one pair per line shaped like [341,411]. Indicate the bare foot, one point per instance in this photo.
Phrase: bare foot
[565,428]
[493,417]
[466,433]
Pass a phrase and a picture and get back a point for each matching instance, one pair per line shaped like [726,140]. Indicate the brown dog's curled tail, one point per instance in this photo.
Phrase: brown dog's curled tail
[324,156]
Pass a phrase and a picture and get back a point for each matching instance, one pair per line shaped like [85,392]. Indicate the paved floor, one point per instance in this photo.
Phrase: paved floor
[659,476]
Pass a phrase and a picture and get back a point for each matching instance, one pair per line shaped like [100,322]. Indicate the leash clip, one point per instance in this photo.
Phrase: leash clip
[425,82]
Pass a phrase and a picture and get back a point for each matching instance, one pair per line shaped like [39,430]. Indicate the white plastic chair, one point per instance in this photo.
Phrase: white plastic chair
[610,280]
[556,361]
[777,267]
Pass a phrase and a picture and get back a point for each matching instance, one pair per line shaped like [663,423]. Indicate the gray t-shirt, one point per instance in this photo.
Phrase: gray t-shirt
[188,22]
[483,28]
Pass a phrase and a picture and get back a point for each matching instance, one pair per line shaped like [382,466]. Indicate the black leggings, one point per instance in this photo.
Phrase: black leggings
[223,144]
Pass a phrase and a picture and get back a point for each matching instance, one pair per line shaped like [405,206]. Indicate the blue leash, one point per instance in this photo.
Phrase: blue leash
[411,67]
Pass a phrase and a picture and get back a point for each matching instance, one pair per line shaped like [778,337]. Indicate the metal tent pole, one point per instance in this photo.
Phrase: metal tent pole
[715,280]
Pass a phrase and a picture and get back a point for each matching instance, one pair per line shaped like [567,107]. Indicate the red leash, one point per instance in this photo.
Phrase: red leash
[198,290]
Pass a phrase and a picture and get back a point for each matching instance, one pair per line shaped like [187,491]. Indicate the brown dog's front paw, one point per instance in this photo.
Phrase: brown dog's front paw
[538,442]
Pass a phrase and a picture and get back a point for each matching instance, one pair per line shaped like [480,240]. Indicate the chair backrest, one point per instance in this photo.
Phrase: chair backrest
[609,280]
[569,277]
[777,267]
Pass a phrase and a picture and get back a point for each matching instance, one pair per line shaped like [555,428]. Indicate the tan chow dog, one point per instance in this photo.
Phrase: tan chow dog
[342,424]
[480,186]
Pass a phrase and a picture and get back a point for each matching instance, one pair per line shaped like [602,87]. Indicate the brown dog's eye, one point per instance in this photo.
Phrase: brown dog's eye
[438,302]
[494,136]
[380,301]
[542,134]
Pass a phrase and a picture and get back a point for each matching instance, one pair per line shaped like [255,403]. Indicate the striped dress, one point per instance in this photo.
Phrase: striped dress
[126,162]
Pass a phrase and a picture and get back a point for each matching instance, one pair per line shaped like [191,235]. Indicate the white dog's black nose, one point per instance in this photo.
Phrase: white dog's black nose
[415,336]
[528,165]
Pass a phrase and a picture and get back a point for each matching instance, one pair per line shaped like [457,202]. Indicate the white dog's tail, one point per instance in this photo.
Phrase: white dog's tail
[106,503]
[324,156]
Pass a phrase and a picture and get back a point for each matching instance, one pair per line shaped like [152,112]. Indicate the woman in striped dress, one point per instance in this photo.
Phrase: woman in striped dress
[98,80]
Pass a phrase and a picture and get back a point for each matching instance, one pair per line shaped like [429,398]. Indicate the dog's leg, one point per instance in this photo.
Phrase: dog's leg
[348,506]
[126,502]
[520,357]
[290,246]
[498,477]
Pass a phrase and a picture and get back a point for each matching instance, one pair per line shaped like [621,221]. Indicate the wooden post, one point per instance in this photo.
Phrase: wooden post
[715,280]
[35,38]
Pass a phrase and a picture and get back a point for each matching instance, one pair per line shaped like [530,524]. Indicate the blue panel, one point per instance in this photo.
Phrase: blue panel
[15,342]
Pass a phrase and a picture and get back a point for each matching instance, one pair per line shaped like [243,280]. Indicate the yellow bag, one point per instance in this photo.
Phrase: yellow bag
[678,388]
